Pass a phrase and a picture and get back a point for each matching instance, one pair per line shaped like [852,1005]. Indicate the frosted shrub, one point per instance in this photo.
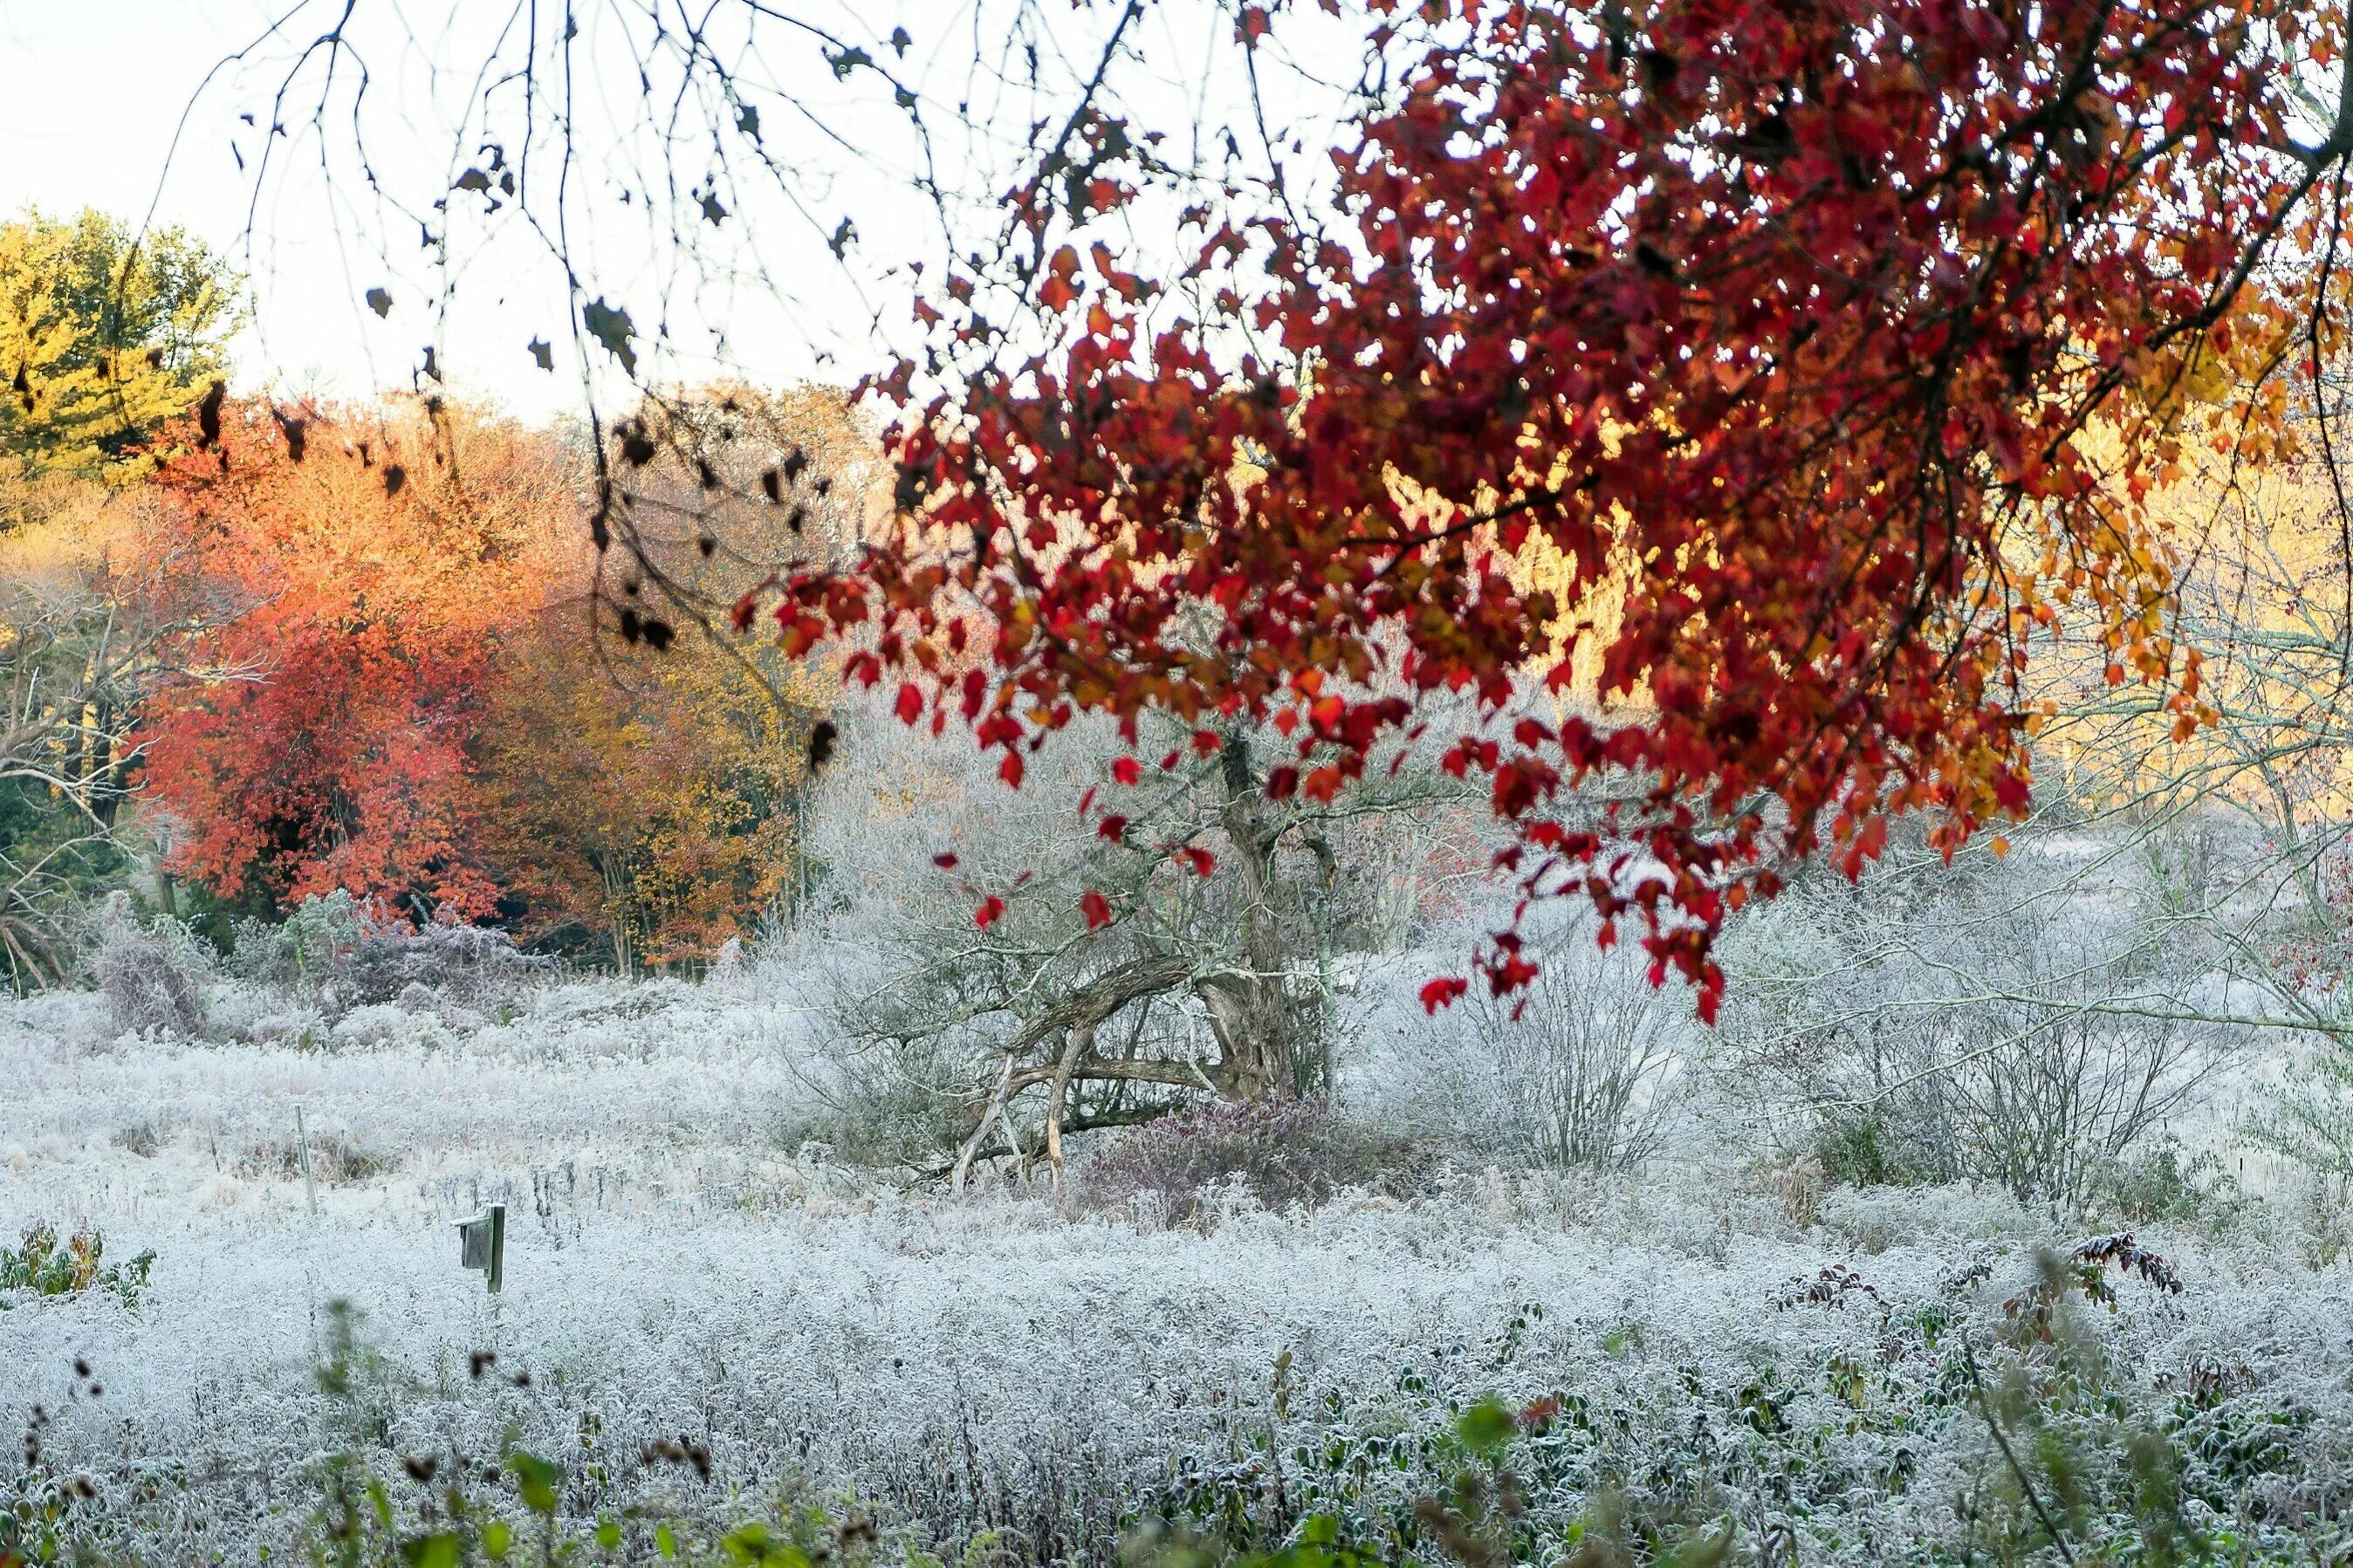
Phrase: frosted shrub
[148,977]
[338,1158]
[336,951]
[1941,1023]
[1579,1068]
[2309,1117]
[1288,1155]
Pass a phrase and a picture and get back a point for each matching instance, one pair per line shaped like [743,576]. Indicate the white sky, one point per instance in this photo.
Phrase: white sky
[91,92]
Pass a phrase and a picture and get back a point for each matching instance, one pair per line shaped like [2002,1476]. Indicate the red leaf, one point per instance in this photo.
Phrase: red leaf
[1127,770]
[910,702]
[1440,994]
[945,862]
[1009,770]
[992,909]
[1096,908]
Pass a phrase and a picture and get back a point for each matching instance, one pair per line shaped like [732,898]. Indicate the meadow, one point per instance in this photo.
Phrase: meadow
[706,1317]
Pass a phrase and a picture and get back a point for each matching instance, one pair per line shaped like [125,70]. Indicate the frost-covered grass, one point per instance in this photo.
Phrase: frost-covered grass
[680,1269]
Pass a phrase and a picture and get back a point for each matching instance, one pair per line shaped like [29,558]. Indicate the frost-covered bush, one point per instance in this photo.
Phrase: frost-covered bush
[151,976]
[1586,1069]
[2308,1117]
[340,954]
[2031,1021]
[1580,1068]
[1288,1155]
[882,1109]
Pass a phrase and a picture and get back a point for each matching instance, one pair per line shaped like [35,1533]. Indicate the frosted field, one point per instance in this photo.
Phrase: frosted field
[674,1270]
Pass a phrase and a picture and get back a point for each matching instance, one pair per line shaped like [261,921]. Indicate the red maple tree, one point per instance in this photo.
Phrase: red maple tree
[1831,345]
[363,567]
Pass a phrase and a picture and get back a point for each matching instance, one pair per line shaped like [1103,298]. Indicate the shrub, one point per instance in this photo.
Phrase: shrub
[2162,1183]
[1852,1151]
[1582,1062]
[1290,1153]
[46,1265]
[148,977]
[141,1138]
[2308,1118]
[341,954]
[337,1159]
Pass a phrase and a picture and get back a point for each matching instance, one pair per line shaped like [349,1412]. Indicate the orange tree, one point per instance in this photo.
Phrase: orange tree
[415,684]
[365,568]
[1829,346]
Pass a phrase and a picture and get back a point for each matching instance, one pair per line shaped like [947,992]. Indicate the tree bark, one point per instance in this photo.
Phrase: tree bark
[1248,1010]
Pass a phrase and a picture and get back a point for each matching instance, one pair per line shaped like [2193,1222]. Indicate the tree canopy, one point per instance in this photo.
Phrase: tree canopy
[103,337]
[1727,398]
[1829,347]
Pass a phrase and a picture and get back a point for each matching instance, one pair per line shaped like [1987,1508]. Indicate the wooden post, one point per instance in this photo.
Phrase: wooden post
[482,1243]
[303,1155]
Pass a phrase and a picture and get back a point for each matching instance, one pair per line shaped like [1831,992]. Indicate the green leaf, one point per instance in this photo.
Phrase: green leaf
[439,1550]
[665,1542]
[848,60]
[379,301]
[497,1536]
[608,1534]
[748,121]
[612,328]
[536,1479]
[541,352]
[1485,1426]
[380,1502]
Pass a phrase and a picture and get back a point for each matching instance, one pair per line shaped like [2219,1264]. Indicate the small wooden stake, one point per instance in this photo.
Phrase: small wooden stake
[302,1153]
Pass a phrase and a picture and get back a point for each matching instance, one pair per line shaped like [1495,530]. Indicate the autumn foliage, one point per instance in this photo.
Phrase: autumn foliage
[363,590]
[408,690]
[1828,347]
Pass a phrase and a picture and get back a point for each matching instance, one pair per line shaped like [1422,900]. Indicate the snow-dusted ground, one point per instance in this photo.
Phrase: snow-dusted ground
[679,1266]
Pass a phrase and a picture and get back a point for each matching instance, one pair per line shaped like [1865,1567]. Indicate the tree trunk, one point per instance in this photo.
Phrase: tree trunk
[1082,1043]
[1248,1010]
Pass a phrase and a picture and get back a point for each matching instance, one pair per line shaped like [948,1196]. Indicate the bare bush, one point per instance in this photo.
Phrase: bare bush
[1585,1069]
[2032,1027]
[1581,1065]
[149,976]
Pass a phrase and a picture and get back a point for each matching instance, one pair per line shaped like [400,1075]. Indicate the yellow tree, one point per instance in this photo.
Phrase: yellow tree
[642,785]
[103,337]
[648,799]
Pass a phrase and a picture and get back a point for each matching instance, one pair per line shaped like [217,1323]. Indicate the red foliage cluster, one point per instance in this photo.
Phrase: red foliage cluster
[1830,345]
[354,613]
